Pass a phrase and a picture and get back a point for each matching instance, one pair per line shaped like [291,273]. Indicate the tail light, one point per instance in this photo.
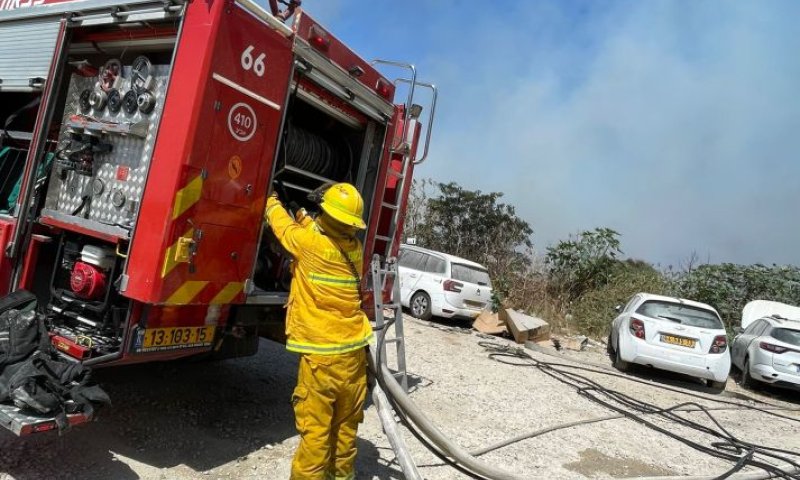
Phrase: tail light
[720,344]
[772,348]
[452,286]
[384,89]
[319,39]
[637,328]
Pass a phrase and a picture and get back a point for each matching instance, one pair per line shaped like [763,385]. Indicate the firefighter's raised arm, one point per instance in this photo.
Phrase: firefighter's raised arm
[293,235]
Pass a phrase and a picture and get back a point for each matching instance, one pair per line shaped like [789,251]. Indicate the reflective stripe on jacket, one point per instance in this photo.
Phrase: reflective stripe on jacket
[324,313]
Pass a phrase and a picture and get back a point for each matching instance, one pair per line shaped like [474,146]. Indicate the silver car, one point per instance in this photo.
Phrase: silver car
[768,349]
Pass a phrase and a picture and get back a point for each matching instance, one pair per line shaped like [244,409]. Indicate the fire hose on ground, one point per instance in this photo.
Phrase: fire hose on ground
[405,407]
[390,399]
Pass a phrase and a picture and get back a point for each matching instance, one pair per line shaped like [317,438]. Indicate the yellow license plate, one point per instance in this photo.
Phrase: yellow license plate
[683,342]
[178,337]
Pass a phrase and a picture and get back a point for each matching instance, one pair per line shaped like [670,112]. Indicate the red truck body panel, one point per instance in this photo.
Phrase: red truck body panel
[306,27]
[211,190]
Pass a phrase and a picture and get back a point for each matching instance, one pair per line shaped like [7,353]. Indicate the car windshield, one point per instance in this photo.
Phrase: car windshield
[787,335]
[680,313]
[467,273]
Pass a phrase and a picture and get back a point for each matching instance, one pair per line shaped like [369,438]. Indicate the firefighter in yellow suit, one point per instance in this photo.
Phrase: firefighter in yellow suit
[326,326]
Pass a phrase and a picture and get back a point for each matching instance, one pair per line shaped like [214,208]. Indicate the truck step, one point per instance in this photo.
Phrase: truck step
[23,423]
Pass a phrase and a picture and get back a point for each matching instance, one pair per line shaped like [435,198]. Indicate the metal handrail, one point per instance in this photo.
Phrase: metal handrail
[434,98]
[410,99]
[287,12]
[266,16]
[169,9]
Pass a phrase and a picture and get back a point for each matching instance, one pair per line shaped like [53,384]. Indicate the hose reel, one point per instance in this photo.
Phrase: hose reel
[328,157]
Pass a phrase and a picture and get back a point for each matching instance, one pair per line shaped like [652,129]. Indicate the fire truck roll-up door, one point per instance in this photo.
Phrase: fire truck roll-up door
[29,33]
[26,51]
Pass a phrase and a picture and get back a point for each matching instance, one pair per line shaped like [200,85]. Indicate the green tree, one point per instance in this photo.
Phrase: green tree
[583,262]
[470,224]
[417,208]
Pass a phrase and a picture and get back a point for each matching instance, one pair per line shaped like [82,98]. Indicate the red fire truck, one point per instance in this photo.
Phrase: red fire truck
[139,140]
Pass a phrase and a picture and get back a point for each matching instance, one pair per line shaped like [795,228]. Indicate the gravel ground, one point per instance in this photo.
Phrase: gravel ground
[232,419]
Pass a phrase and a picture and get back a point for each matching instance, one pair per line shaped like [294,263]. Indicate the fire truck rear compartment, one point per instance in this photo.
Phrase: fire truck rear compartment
[316,148]
[113,94]
[100,148]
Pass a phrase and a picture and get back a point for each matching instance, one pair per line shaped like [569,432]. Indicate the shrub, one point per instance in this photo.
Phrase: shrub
[594,311]
[729,287]
[583,263]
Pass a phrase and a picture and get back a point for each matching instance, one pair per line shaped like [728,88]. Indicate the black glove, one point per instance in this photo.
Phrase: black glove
[316,195]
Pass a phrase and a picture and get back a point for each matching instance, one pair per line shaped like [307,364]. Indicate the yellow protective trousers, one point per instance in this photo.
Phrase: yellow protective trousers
[328,406]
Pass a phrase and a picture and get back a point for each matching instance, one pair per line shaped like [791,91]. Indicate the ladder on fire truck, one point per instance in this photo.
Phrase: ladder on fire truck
[389,314]
[403,146]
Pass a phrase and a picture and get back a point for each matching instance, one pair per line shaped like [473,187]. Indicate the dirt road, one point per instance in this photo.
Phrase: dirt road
[232,419]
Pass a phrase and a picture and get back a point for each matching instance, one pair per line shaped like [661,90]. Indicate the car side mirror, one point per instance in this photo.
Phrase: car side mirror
[737,330]
[618,308]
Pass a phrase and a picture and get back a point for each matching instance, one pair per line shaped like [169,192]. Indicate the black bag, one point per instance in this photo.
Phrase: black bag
[19,300]
[46,384]
[32,375]
[22,330]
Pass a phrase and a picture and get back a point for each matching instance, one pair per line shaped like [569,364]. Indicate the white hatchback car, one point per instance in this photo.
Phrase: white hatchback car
[768,349]
[435,283]
[671,334]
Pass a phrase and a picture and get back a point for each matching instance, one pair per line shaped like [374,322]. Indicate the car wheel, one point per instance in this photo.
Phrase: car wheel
[747,380]
[421,306]
[616,360]
[716,386]
[621,364]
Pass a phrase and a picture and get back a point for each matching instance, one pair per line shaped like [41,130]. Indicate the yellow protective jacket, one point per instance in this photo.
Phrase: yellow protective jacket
[324,315]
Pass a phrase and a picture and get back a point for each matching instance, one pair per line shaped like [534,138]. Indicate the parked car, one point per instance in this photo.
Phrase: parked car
[435,283]
[767,349]
[671,334]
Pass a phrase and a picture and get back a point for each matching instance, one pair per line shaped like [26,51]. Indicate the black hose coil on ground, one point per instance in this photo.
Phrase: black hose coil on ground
[740,452]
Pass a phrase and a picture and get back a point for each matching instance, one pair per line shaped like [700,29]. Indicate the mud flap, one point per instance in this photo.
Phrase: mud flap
[23,423]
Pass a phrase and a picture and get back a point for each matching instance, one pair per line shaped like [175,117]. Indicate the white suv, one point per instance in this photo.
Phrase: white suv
[435,283]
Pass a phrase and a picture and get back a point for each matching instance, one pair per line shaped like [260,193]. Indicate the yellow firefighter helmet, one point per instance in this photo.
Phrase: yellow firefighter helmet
[344,204]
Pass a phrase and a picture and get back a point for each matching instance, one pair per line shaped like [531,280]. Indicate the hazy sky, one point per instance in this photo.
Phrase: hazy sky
[676,123]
